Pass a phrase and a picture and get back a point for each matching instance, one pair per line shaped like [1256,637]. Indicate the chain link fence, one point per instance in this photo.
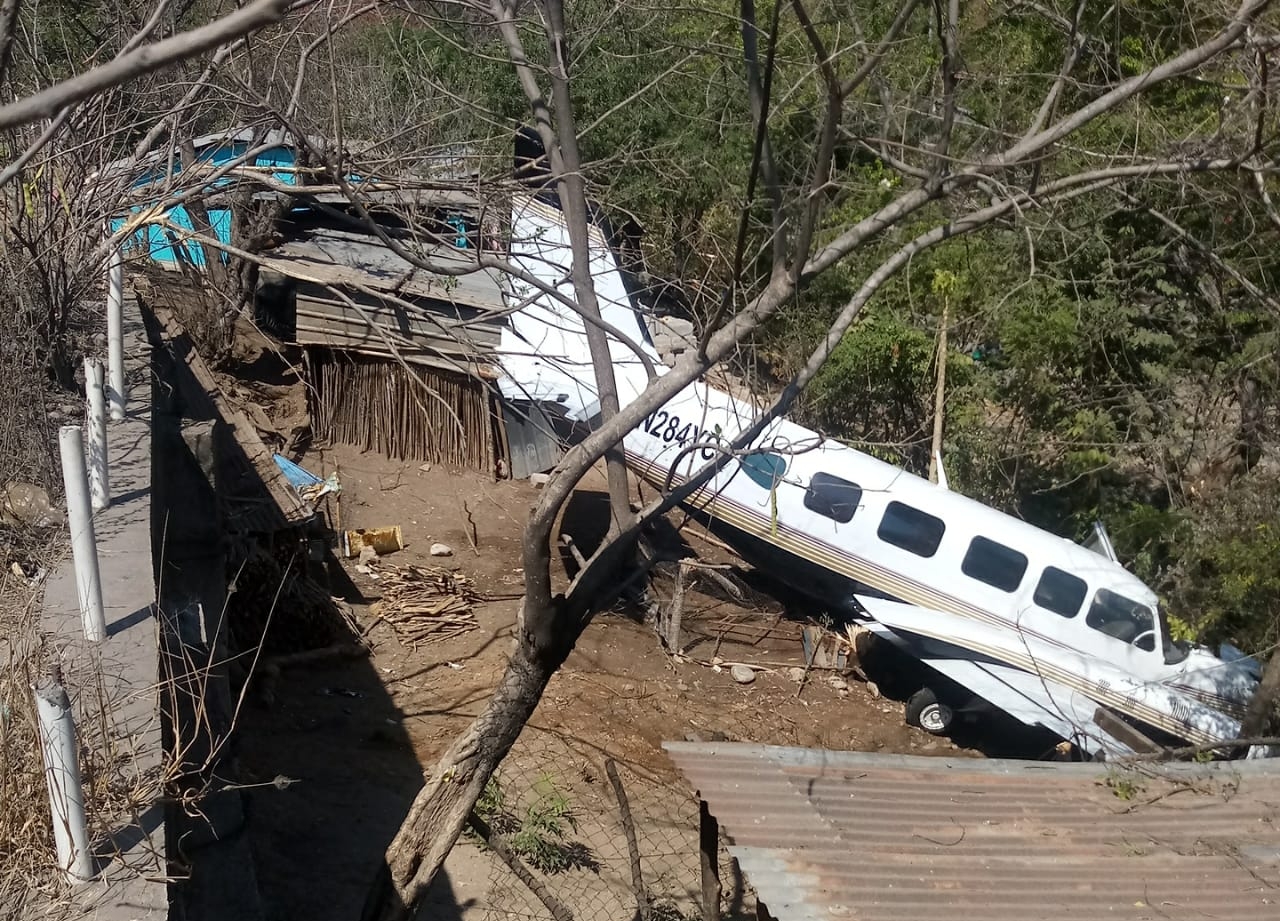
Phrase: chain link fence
[571,832]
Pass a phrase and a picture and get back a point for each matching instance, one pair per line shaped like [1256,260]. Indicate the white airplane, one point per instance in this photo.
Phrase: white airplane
[1056,634]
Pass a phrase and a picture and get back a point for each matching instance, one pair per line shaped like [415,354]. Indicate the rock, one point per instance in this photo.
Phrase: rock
[441,550]
[743,674]
[838,683]
[28,504]
[874,690]
[795,673]
[539,480]
[368,554]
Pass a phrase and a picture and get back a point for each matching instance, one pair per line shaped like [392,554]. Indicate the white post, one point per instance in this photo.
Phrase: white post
[62,774]
[84,543]
[99,480]
[115,332]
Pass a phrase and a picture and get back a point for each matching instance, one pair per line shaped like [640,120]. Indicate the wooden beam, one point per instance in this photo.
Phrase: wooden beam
[1111,723]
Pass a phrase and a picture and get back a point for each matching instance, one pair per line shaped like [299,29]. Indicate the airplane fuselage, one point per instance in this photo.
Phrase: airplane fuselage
[941,565]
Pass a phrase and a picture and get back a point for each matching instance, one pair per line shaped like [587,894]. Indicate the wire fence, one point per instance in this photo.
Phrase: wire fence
[575,833]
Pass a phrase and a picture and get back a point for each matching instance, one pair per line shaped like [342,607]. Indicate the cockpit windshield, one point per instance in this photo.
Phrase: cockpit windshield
[1123,619]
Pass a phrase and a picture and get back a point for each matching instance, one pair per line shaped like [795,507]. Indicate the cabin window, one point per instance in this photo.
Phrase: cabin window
[911,529]
[1127,621]
[1060,592]
[832,497]
[765,469]
[995,564]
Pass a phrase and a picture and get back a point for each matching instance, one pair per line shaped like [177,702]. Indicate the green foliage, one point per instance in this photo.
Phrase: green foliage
[1124,785]
[1093,352]
[542,828]
[1228,577]
[871,385]
[537,831]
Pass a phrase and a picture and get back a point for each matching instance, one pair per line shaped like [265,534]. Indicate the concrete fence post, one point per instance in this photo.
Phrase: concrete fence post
[115,332]
[84,542]
[95,391]
[62,774]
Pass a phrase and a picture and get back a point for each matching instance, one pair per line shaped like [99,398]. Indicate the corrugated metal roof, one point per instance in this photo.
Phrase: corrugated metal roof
[389,306]
[403,195]
[345,258]
[838,835]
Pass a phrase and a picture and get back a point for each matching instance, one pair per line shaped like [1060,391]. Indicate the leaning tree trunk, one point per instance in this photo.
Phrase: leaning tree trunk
[441,808]
[573,199]
[1260,720]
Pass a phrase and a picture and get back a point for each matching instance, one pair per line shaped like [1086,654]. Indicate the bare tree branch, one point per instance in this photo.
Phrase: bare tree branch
[1029,147]
[1184,63]
[948,24]
[872,61]
[144,60]
[759,91]
[8,23]
[831,118]
[573,201]
[1076,42]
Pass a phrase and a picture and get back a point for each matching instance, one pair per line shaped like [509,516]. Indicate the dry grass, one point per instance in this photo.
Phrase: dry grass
[114,789]
[27,857]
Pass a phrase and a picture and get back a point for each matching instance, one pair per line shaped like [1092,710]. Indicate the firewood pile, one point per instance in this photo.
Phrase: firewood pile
[424,604]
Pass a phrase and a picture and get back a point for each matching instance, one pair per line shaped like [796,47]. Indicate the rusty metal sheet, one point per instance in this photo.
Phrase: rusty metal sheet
[356,260]
[841,835]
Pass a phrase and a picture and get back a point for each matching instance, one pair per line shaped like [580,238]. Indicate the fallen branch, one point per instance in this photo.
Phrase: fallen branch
[808,664]
[629,830]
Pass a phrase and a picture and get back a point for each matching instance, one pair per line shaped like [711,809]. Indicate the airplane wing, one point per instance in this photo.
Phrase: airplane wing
[1030,676]
[1028,698]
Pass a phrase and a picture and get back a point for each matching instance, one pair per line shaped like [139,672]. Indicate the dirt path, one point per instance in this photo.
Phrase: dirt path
[356,735]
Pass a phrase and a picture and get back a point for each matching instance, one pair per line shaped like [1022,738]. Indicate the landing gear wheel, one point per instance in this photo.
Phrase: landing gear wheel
[925,712]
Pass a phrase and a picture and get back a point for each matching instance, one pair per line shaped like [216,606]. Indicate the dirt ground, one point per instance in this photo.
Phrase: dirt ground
[356,735]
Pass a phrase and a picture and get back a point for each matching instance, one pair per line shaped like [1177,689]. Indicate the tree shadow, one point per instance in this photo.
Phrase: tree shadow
[296,784]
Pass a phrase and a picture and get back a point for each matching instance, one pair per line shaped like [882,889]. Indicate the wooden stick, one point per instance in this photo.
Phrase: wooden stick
[629,831]
[558,910]
[808,664]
